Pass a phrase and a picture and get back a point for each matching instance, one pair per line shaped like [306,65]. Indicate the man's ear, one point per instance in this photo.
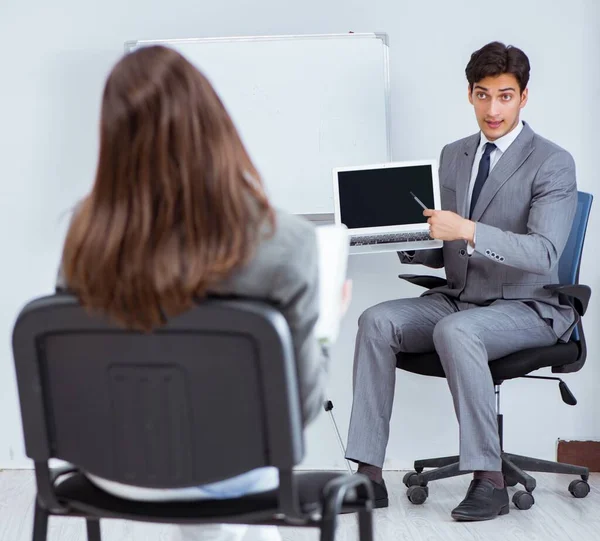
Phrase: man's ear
[524,98]
[470,94]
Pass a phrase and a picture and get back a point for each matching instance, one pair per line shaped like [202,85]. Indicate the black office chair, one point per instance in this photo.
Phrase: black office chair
[562,357]
[210,395]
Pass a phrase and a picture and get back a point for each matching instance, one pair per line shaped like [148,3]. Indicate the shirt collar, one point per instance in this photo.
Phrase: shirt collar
[505,141]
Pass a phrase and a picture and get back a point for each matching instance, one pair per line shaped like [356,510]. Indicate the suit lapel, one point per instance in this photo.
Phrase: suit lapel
[463,173]
[507,165]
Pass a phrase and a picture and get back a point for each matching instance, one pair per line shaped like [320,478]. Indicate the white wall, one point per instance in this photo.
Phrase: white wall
[55,56]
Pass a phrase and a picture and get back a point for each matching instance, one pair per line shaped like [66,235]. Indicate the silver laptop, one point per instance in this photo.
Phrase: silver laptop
[382,205]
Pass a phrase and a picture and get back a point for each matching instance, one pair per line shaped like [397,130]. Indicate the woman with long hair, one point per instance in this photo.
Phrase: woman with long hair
[178,211]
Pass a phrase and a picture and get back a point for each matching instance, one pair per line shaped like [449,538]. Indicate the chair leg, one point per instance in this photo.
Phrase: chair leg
[328,526]
[445,472]
[509,468]
[533,464]
[365,525]
[40,523]
[435,462]
[93,530]
[333,496]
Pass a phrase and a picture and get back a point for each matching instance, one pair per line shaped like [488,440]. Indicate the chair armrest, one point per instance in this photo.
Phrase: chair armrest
[428,282]
[578,292]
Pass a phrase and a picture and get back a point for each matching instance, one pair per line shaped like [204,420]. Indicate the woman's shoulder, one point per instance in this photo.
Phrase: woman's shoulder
[290,243]
[294,234]
[292,225]
[282,257]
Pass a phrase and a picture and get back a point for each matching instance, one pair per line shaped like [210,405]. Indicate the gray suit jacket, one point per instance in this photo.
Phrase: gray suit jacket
[524,215]
[284,272]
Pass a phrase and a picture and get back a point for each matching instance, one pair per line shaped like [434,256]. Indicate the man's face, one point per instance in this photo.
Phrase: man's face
[497,104]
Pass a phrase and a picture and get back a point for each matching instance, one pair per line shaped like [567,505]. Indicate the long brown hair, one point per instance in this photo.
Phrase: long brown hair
[177,204]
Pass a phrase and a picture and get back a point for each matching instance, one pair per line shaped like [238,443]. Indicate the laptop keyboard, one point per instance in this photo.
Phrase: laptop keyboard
[364,240]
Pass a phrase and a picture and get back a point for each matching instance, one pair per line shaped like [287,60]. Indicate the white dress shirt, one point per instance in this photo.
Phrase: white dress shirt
[502,145]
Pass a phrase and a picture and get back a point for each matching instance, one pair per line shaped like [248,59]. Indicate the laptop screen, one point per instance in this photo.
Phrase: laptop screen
[381,197]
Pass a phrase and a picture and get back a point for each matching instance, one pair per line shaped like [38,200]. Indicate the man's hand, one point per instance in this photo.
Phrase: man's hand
[447,225]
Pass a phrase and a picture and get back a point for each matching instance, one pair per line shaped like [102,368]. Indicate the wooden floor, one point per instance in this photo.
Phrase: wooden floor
[556,515]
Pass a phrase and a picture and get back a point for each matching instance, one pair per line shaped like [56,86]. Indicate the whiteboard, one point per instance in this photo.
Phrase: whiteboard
[303,105]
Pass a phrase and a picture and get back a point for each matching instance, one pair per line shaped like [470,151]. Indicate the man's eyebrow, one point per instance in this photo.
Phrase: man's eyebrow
[500,90]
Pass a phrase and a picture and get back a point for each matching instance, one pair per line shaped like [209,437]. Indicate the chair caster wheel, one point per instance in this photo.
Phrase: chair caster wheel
[523,500]
[417,494]
[411,479]
[579,489]
[510,481]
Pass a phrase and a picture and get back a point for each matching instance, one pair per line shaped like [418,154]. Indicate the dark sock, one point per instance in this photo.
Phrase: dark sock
[372,472]
[496,477]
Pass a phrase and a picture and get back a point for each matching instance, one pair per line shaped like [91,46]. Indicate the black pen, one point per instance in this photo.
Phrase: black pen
[418,201]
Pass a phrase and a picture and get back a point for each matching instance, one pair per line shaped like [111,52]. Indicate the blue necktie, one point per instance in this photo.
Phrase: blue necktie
[482,174]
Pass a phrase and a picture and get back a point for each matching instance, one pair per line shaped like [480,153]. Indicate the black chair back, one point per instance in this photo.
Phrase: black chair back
[208,396]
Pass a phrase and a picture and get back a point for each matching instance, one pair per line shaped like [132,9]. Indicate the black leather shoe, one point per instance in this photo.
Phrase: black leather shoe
[381,494]
[483,502]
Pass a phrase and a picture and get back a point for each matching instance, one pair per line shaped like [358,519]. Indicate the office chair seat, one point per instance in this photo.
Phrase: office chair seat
[512,366]
[83,497]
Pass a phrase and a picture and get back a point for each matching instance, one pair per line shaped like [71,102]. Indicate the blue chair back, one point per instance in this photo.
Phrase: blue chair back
[569,263]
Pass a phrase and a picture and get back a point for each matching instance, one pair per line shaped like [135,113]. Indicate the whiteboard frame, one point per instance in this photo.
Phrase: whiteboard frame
[382,36]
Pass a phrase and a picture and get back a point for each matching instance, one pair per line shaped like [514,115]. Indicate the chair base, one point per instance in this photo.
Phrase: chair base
[514,468]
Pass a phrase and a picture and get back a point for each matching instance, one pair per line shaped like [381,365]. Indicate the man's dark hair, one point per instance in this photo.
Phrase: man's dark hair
[495,59]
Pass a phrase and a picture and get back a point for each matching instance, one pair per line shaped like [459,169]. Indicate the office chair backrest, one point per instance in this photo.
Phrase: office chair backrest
[570,260]
[210,395]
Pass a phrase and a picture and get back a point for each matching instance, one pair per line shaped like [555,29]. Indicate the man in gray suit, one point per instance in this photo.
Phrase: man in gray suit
[509,198]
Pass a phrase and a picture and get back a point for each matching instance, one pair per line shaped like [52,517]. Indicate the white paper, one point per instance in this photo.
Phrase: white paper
[333,243]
